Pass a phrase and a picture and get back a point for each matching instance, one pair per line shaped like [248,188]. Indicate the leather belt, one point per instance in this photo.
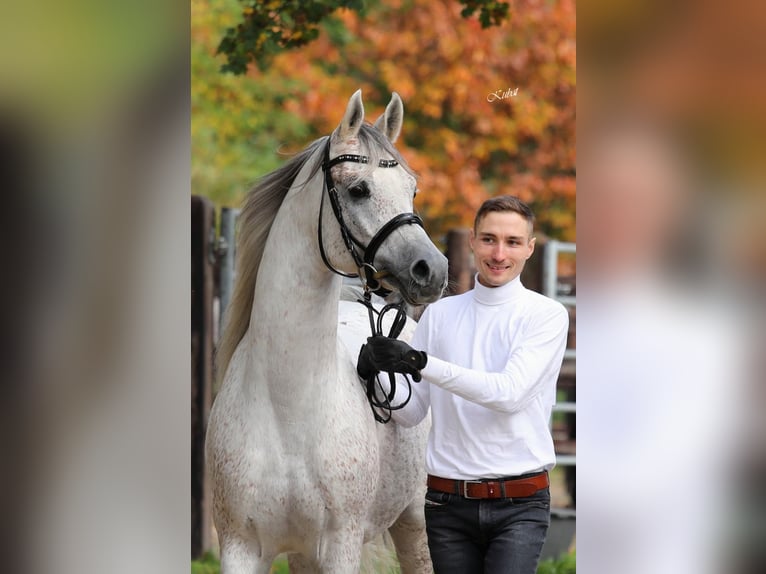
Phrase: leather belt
[488,488]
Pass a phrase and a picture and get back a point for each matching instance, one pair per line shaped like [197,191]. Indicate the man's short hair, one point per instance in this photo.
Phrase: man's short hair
[505,203]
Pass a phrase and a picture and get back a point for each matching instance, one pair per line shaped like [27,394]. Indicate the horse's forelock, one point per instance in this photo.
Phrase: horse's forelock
[375,145]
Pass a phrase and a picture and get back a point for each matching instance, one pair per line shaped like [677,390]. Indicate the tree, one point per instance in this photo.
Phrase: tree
[238,123]
[268,27]
[487,110]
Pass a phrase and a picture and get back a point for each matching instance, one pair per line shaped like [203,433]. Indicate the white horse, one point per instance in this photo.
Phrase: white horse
[297,462]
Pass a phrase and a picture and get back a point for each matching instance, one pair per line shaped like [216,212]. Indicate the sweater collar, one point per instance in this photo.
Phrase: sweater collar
[497,295]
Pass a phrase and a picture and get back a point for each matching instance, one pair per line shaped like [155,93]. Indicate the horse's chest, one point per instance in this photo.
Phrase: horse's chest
[317,462]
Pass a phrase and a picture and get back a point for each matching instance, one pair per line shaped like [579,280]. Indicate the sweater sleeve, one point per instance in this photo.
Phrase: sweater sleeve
[420,401]
[417,409]
[523,376]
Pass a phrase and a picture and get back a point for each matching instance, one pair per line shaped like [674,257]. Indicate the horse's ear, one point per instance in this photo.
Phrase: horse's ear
[353,118]
[390,122]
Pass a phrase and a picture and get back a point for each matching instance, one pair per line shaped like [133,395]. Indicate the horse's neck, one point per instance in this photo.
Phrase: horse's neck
[295,311]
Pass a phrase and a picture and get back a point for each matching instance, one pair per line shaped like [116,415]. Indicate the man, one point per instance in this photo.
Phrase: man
[489,360]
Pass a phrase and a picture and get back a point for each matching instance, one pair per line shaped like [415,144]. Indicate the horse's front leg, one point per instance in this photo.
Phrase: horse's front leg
[299,564]
[409,536]
[239,556]
[341,549]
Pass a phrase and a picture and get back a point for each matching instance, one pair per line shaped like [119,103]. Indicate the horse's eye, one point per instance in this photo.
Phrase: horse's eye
[359,191]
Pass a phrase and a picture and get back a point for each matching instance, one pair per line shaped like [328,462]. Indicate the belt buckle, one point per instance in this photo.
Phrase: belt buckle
[465,489]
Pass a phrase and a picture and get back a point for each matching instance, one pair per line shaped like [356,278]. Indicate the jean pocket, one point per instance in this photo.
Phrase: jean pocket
[540,499]
[436,499]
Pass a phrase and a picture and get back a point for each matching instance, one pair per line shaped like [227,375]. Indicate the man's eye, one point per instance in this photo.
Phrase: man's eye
[359,191]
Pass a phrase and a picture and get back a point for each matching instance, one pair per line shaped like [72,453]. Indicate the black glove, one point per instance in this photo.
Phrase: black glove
[390,356]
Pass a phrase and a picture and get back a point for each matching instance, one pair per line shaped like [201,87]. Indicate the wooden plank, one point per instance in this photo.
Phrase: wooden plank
[461,268]
[532,275]
[202,284]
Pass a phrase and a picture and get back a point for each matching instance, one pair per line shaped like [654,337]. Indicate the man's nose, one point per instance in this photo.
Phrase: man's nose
[498,253]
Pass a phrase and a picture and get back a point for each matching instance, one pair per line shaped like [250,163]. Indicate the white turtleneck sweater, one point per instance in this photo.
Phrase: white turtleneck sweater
[494,356]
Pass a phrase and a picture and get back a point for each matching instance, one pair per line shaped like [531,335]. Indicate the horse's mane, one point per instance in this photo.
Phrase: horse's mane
[254,223]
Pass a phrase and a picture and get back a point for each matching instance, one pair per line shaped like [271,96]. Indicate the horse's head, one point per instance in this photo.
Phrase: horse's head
[371,190]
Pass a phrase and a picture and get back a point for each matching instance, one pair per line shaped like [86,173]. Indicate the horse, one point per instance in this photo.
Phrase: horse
[297,462]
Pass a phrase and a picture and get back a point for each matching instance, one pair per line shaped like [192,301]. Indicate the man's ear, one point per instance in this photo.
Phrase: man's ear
[532,242]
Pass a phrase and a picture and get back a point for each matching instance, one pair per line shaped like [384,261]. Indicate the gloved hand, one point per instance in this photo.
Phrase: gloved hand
[390,356]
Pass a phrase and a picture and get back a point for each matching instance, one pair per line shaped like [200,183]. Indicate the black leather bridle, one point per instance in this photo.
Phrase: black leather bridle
[369,275]
[381,402]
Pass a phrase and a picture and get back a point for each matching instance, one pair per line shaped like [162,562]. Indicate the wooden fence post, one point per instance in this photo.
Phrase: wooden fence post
[461,269]
[202,280]
[532,275]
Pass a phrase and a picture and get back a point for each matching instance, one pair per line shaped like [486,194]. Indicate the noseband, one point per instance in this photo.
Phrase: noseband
[369,275]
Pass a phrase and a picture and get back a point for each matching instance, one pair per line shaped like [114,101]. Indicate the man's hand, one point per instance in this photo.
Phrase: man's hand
[390,356]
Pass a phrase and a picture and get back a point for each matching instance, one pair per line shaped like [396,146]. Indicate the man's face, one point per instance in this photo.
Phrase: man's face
[501,246]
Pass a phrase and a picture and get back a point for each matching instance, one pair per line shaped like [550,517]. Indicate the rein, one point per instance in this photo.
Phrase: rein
[369,275]
[383,407]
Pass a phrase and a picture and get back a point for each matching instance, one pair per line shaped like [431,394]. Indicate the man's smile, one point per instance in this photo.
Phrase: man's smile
[496,267]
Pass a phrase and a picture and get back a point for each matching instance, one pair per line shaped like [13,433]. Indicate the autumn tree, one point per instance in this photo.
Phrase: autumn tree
[268,27]
[487,110]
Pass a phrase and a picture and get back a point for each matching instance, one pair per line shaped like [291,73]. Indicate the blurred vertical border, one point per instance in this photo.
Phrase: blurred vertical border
[672,244]
[94,140]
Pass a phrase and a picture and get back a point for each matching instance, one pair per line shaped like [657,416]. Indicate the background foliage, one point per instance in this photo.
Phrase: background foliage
[269,27]
[443,64]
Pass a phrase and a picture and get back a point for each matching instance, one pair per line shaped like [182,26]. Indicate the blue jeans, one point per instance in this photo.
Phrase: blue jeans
[488,536]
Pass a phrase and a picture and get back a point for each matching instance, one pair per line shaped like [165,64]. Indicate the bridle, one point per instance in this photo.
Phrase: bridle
[369,275]
[381,402]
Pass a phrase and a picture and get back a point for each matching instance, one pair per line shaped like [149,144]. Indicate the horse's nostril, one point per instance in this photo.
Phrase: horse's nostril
[420,270]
